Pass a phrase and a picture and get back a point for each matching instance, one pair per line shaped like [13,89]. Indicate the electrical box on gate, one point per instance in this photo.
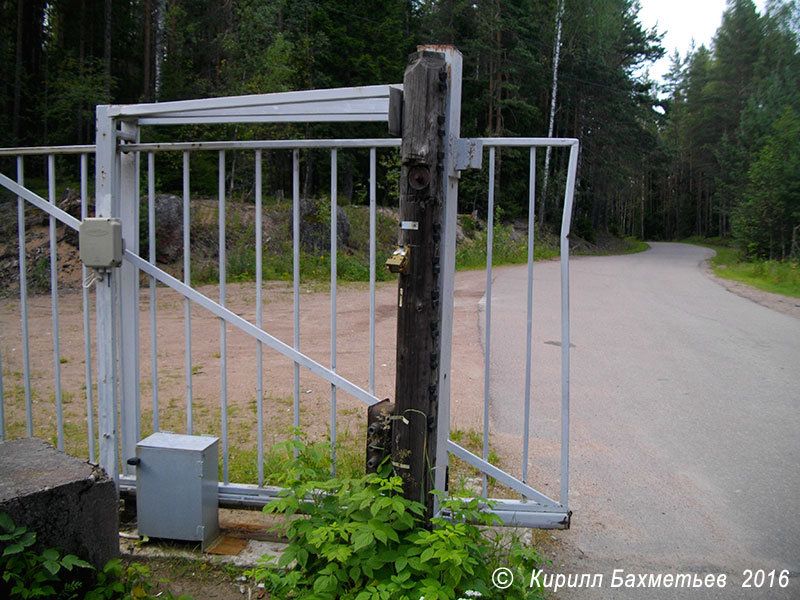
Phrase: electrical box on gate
[176,487]
[100,242]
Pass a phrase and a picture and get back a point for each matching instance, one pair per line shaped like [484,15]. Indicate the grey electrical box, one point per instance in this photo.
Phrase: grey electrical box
[100,242]
[176,487]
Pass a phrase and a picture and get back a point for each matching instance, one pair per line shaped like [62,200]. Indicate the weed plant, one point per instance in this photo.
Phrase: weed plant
[360,539]
[27,573]
[507,248]
[778,277]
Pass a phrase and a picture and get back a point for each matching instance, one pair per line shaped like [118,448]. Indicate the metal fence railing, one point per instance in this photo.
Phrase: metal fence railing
[114,358]
[144,261]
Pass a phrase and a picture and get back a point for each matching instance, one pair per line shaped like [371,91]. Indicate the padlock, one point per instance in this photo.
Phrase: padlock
[399,260]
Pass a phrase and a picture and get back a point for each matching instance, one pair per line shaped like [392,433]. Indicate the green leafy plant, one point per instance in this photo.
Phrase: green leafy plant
[360,539]
[116,581]
[27,573]
[30,574]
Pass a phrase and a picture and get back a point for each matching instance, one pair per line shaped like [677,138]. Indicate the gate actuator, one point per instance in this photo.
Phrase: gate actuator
[100,243]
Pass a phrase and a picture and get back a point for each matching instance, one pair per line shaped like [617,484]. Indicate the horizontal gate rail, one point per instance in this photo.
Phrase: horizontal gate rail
[47,150]
[356,104]
[264,145]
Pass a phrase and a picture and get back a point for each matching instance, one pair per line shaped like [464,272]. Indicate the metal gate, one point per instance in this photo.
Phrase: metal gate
[119,156]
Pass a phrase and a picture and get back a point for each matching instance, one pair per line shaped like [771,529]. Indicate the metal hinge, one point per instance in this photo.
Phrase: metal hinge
[468,153]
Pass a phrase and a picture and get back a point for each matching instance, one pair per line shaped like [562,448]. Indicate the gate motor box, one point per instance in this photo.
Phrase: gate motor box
[100,242]
[176,487]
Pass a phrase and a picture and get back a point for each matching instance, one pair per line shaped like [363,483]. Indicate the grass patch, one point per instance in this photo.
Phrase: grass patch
[627,245]
[465,480]
[508,247]
[777,277]
[350,458]
[352,259]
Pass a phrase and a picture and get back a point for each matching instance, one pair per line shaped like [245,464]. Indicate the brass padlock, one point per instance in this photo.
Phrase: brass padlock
[398,261]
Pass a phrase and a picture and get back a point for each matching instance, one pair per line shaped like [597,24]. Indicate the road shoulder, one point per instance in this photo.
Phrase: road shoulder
[784,304]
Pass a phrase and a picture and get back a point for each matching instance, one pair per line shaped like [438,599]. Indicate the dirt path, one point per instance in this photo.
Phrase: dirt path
[352,362]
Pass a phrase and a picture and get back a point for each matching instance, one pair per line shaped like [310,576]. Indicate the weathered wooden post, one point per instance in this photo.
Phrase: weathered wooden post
[418,261]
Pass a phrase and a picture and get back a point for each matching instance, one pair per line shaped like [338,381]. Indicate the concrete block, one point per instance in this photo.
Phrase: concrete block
[69,503]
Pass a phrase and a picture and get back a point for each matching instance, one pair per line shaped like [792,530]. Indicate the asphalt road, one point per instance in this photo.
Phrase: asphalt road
[685,421]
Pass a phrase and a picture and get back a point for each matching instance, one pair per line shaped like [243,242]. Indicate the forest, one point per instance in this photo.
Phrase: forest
[712,151]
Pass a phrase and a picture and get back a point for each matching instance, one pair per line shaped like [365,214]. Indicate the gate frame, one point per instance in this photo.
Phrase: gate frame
[117,193]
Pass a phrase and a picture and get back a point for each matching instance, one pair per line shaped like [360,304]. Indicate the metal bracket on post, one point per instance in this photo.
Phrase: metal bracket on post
[395,111]
[468,153]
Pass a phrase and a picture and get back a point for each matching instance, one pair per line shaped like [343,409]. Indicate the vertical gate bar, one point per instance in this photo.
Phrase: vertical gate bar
[151,256]
[488,328]
[223,341]
[259,324]
[129,300]
[115,317]
[448,260]
[51,192]
[372,235]
[334,233]
[116,310]
[187,306]
[296,284]
[23,300]
[87,328]
[566,221]
[529,320]
[104,302]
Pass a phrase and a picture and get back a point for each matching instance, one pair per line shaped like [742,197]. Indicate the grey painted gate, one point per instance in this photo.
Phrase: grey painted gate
[118,159]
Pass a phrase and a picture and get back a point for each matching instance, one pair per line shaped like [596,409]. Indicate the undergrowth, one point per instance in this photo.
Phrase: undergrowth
[778,277]
[28,573]
[360,539]
[508,247]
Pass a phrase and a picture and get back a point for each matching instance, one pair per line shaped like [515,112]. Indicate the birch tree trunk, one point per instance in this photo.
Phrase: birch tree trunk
[553,95]
[161,46]
[107,52]
[146,70]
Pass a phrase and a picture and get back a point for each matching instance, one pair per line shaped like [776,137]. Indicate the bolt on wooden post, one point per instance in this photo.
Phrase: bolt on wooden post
[417,260]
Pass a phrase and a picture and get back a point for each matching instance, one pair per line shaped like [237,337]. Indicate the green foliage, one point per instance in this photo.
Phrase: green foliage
[313,463]
[508,248]
[27,573]
[361,539]
[30,574]
[778,277]
[116,581]
[76,88]
[352,259]
[770,210]
[731,133]
[698,161]
[260,57]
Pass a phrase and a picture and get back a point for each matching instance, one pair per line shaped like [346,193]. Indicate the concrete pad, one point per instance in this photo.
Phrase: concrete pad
[69,503]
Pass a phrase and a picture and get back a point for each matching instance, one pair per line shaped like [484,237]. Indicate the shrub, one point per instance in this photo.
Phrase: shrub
[52,574]
[360,539]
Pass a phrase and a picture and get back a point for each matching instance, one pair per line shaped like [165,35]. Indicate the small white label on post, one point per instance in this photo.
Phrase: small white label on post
[413,225]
